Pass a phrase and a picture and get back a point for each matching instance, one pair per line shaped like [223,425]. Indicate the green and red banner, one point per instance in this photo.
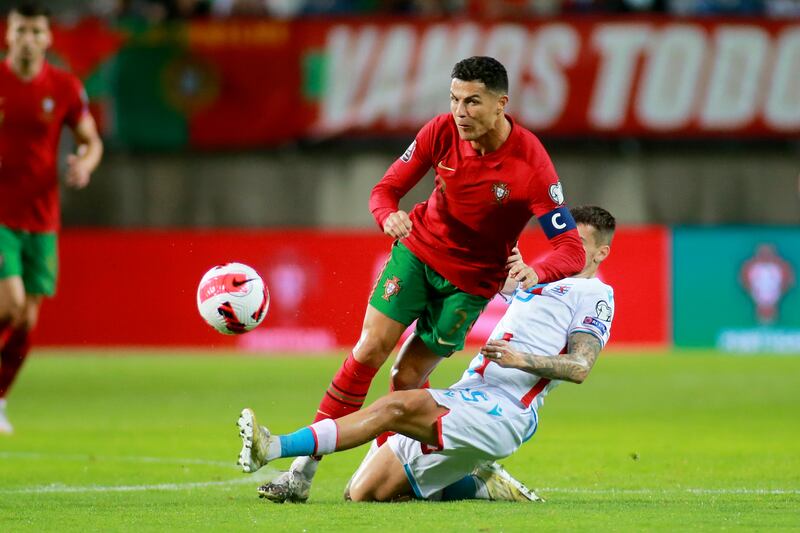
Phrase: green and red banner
[227,84]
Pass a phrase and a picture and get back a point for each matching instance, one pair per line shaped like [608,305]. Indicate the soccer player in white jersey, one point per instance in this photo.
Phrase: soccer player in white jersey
[448,439]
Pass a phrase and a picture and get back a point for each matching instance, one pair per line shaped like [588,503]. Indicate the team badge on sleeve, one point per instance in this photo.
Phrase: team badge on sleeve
[560,290]
[391,287]
[594,322]
[603,310]
[406,157]
[557,193]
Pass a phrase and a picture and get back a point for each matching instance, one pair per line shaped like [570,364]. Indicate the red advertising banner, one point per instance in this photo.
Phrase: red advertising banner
[655,77]
[137,288]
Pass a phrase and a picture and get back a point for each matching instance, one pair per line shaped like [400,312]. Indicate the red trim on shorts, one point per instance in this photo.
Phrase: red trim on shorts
[440,439]
[316,440]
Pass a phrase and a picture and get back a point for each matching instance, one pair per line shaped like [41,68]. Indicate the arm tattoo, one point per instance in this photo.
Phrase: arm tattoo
[573,366]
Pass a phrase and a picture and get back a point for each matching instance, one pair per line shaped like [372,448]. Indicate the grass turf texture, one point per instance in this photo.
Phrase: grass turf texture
[690,441]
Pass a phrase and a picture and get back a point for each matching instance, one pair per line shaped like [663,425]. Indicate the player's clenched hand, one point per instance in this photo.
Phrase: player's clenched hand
[502,353]
[77,172]
[397,225]
[519,271]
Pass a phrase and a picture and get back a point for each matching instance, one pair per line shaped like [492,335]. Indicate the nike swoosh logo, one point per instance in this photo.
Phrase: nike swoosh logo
[444,343]
[237,283]
[446,168]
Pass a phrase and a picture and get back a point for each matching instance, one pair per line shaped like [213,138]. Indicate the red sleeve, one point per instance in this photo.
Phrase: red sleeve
[547,204]
[78,102]
[567,258]
[403,174]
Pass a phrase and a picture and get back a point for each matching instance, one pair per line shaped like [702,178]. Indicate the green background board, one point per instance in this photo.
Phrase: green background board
[712,308]
[143,115]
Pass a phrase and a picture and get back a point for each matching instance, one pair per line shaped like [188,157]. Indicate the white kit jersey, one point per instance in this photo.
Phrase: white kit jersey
[539,321]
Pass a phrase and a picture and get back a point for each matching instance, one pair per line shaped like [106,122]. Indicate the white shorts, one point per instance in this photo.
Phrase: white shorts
[484,424]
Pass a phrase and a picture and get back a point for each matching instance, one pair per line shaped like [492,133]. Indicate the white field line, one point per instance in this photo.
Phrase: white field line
[66,489]
[113,458]
[664,492]
[267,473]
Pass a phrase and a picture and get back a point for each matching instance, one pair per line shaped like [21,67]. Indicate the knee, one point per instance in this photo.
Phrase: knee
[373,348]
[13,312]
[361,492]
[406,378]
[394,407]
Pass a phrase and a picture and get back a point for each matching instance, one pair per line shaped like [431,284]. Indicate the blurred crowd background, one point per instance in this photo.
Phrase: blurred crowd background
[160,10]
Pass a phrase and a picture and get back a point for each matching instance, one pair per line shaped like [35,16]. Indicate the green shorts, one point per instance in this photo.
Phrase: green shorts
[409,290]
[31,255]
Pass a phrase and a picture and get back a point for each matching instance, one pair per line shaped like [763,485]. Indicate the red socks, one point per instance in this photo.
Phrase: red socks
[12,355]
[347,391]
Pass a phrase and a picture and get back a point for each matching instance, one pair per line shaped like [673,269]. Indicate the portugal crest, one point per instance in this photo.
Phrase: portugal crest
[767,278]
[500,192]
[391,287]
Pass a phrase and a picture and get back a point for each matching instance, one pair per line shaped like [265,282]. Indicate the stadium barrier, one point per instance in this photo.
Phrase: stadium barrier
[140,288]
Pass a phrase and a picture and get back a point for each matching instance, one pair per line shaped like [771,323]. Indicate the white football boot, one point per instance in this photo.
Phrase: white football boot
[255,442]
[502,486]
[292,486]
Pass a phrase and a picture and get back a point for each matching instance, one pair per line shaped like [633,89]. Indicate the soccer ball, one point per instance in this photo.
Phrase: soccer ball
[232,298]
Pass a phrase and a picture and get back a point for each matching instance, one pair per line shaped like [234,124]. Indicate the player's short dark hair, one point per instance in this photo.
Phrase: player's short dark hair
[31,9]
[597,217]
[484,69]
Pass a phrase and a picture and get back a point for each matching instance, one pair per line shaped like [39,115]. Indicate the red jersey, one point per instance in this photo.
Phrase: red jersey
[479,206]
[32,114]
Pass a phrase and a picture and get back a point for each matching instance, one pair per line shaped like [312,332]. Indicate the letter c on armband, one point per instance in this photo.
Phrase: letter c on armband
[556,222]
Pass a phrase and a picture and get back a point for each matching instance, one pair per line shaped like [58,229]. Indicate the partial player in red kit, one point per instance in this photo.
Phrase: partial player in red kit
[451,252]
[36,101]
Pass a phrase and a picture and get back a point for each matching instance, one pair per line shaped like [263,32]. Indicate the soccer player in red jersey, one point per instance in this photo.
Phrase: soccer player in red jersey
[451,252]
[36,101]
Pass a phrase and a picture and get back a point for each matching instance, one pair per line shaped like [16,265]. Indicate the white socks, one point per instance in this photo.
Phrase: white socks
[325,432]
[306,466]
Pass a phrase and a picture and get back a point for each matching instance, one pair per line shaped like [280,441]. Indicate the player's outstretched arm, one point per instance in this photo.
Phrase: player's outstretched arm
[89,153]
[572,366]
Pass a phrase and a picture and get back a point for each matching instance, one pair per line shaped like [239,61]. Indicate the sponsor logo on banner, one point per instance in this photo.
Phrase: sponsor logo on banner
[619,76]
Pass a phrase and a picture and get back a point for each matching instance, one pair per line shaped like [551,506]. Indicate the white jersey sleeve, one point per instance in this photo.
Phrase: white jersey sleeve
[594,311]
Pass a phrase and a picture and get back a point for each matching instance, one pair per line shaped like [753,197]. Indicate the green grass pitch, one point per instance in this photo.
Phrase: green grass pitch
[690,441]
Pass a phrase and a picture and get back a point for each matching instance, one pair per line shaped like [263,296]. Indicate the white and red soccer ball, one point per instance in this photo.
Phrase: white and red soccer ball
[232,298]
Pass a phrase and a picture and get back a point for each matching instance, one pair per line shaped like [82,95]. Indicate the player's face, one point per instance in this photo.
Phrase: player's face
[28,37]
[595,251]
[475,109]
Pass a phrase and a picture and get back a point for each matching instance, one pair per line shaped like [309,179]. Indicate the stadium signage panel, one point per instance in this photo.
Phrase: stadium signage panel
[655,77]
[319,282]
[736,289]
